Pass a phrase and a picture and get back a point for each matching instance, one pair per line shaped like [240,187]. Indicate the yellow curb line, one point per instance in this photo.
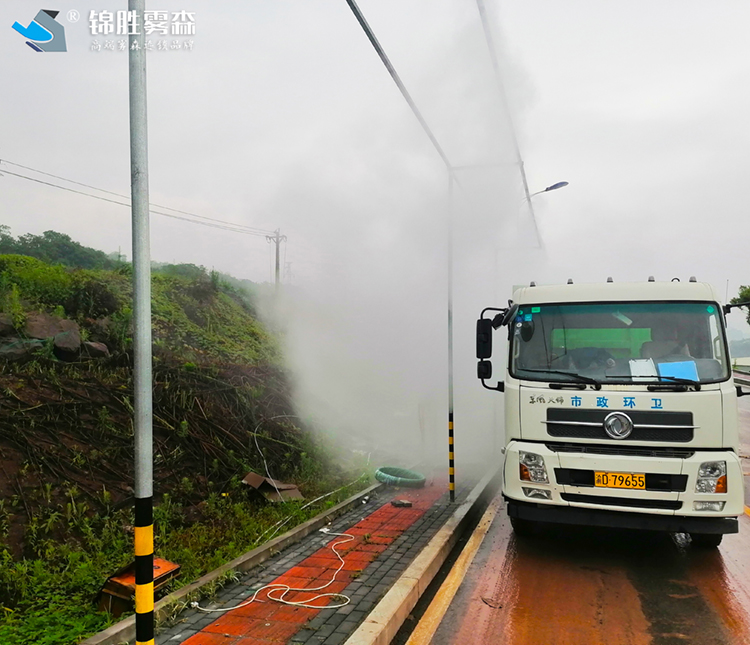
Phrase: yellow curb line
[747,510]
[428,625]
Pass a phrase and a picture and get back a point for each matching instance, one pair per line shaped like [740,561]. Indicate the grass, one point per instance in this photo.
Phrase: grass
[66,441]
[53,591]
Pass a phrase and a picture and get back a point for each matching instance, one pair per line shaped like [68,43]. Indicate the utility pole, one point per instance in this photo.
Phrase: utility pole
[142,370]
[277,238]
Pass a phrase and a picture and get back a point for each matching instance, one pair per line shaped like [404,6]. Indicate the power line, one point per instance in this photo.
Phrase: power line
[230,227]
[397,79]
[259,231]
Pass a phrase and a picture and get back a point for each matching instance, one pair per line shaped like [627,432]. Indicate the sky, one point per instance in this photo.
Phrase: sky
[282,116]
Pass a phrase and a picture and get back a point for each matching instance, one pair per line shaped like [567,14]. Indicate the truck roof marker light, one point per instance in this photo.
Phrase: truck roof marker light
[651,278]
[692,279]
[570,280]
[609,279]
[532,284]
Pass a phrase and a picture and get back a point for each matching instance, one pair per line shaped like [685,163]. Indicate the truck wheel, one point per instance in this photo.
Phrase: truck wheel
[522,528]
[706,540]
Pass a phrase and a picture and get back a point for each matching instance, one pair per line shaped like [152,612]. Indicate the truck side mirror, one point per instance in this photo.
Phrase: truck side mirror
[484,339]
[740,391]
[484,371]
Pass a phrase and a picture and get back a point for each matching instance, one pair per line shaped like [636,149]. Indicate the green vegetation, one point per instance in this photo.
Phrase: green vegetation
[52,590]
[55,248]
[66,438]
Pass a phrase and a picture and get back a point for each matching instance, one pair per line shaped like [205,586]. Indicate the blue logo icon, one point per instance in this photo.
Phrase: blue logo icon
[44,33]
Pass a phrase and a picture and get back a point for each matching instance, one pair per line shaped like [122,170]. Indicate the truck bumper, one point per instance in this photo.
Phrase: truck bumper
[620,519]
[668,503]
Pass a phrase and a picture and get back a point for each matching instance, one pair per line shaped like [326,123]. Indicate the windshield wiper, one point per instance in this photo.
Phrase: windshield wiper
[580,377]
[676,381]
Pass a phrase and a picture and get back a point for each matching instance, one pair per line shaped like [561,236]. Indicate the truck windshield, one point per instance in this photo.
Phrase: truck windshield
[619,342]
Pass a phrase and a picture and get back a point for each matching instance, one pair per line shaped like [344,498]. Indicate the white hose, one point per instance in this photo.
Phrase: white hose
[285,589]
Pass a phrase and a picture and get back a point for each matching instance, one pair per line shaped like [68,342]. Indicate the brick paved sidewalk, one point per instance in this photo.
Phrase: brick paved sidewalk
[387,539]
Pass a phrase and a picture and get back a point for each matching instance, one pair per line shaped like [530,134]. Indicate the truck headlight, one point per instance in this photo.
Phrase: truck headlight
[531,468]
[712,477]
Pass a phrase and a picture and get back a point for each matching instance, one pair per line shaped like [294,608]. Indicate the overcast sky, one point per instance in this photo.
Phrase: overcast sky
[642,106]
[283,116]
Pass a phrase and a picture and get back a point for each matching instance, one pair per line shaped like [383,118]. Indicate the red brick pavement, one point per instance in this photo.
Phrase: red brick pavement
[270,623]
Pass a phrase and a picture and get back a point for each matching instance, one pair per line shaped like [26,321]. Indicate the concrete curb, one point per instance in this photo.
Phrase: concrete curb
[380,627]
[123,632]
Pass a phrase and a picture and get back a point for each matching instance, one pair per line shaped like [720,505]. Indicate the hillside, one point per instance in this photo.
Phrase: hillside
[222,405]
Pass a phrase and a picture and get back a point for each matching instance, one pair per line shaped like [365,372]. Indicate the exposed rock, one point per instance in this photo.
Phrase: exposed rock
[102,326]
[95,350]
[19,348]
[6,325]
[68,345]
[44,326]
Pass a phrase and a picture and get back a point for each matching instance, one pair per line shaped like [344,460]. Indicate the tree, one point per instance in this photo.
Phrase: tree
[7,243]
[743,296]
[58,248]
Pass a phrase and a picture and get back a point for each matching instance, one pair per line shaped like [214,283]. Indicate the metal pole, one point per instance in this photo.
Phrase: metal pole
[451,469]
[144,527]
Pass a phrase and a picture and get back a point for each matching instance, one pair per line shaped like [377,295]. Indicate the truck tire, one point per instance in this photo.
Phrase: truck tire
[522,528]
[706,540]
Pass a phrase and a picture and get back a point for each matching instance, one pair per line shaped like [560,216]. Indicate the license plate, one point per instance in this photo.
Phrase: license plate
[620,480]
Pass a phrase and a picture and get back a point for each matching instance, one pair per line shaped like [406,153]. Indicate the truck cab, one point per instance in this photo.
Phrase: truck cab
[620,408]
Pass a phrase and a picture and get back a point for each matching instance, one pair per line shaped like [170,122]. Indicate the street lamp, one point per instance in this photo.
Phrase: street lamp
[559,184]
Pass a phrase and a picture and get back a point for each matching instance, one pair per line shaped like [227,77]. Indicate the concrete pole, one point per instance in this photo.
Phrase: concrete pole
[278,253]
[142,371]
[277,238]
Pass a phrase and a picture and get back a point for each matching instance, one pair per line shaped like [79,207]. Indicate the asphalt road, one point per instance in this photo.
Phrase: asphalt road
[575,586]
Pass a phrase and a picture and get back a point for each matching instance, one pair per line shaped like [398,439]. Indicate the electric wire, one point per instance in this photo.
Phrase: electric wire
[277,526]
[235,228]
[259,231]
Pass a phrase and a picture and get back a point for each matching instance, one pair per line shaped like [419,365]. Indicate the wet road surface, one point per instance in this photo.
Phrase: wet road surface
[575,586]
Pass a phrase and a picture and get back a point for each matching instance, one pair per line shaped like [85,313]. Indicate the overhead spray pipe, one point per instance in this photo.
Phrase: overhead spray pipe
[451,180]
[504,99]
[451,461]
[142,370]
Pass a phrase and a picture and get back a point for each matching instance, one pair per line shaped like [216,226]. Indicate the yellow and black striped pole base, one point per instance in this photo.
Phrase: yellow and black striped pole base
[451,469]
[144,571]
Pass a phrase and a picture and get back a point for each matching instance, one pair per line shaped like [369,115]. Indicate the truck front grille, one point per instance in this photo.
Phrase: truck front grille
[648,425]
[663,452]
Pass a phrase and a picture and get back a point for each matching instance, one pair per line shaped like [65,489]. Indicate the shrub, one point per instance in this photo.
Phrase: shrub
[92,296]
[45,284]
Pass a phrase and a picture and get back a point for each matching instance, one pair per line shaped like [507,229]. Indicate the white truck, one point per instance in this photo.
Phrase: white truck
[620,408]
